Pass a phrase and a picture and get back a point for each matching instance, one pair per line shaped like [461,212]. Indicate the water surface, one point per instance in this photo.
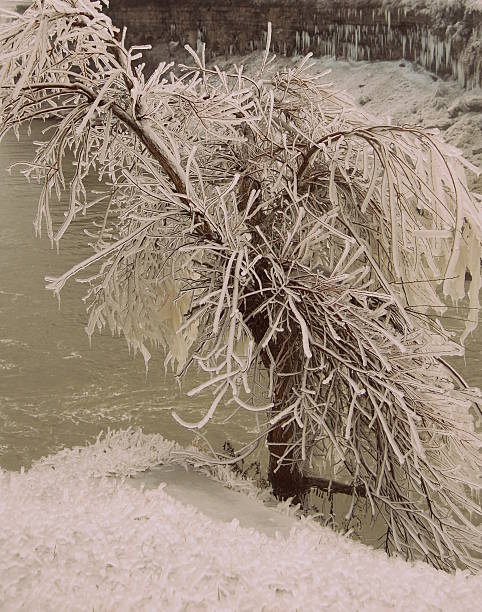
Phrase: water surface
[56,390]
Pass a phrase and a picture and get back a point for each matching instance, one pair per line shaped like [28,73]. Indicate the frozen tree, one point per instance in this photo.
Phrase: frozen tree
[261,229]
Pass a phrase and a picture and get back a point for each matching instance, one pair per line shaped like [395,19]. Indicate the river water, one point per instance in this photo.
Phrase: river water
[56,391]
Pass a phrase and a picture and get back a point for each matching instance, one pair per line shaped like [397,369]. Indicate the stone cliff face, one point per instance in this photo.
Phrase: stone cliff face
[445,38]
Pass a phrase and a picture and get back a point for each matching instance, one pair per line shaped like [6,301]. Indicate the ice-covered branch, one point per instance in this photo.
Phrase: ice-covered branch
[264,230]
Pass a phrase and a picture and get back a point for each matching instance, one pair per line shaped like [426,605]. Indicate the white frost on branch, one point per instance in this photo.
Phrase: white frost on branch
[263,222]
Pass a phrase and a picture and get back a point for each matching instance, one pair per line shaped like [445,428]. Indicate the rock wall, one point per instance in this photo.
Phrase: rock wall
[445,37]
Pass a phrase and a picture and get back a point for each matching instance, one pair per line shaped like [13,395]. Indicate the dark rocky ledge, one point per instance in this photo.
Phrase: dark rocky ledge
[446,40]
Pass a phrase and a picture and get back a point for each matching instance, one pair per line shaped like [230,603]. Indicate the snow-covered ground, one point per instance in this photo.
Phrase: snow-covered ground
[77,535]
[406,94]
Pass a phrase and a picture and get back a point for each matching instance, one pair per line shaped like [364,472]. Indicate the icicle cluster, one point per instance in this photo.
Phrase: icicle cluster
[262,224]
[385,32]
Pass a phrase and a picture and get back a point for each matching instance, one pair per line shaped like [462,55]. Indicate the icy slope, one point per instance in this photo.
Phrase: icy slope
[74,538]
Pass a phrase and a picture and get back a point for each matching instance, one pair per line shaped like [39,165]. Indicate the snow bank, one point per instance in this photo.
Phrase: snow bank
[73,537]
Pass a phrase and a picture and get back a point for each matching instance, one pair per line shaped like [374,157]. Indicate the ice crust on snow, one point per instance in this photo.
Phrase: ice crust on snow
[75,537]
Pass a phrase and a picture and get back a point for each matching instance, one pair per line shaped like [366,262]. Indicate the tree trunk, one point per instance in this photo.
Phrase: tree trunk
[284,471]
[284,476]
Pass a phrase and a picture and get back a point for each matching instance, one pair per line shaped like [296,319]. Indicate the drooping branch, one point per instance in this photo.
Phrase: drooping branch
[144,136]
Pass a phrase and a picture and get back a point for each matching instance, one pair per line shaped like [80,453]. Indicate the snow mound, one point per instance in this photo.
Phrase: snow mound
[73,537]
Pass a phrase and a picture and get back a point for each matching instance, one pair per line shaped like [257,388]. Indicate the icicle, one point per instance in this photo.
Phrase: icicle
[199,43]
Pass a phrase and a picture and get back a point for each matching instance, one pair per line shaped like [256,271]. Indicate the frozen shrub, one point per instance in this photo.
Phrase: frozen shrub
[261,224]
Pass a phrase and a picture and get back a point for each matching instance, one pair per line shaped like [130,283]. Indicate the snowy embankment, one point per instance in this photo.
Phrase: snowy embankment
[75,537]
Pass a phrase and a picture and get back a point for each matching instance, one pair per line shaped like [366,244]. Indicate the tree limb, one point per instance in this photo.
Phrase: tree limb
[332,486]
